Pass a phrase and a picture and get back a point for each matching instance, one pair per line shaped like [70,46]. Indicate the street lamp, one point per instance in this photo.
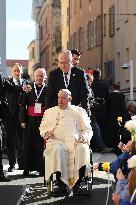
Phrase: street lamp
[130,66]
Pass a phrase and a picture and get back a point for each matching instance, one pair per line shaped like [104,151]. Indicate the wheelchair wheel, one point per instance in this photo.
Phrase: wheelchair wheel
[89,184]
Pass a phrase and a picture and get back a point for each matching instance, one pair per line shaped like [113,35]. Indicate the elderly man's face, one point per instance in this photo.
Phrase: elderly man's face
[39,77]
[63,100]
[64,62]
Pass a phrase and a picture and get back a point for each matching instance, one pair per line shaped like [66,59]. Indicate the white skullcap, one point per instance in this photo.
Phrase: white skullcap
[66,91]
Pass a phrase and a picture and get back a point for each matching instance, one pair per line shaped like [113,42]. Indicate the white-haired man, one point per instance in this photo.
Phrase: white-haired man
[68,132]
[70,77]
[31,111]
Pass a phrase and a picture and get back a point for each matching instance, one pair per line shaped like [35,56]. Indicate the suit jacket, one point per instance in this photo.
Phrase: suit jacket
[13,97]
[77,85]
[117,105]
[4,109]
[100,90]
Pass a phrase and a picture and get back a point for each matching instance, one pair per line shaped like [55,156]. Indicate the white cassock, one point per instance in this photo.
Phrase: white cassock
[64,153]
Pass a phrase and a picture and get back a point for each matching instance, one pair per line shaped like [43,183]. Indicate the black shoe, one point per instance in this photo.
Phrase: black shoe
[60,188]
[4,179]
[59,191]
[11,168]
[20,167]
[25,173]
[77,189]
[61,184]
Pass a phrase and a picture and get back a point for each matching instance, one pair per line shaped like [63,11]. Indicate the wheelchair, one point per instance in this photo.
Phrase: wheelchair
[85,184]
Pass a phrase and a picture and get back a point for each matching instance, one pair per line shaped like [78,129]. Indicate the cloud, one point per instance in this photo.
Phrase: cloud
[22,25]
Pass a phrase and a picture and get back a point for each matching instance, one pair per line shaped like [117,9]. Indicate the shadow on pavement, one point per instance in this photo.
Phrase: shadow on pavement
[10,194]
[37,195]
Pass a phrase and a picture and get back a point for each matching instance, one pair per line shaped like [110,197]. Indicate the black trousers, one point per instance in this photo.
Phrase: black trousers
[15,142]
[1,166]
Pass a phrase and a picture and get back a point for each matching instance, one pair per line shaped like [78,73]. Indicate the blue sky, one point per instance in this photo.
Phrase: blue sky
[20,28]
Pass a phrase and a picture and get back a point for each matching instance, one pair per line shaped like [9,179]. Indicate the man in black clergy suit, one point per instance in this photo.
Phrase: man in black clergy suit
[67,76]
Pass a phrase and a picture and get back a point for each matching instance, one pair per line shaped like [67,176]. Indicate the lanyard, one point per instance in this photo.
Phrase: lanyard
[36,93]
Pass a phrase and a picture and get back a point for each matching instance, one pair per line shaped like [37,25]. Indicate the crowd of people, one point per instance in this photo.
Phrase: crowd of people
[67,115]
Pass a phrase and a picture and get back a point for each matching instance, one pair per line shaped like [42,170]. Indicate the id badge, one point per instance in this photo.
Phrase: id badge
[37,108]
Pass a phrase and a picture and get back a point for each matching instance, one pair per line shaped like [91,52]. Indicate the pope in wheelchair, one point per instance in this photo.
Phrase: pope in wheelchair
[68,132]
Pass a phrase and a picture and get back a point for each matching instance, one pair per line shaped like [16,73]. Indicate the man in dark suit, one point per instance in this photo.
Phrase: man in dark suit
[70,77]
[5,116]
[116,108]
[14,129]
[101,92]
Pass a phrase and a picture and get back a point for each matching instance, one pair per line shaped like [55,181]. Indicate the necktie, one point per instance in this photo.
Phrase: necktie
[18,82]
[66,78]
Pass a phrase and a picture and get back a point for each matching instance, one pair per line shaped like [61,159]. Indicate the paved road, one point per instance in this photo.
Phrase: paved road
[35,191]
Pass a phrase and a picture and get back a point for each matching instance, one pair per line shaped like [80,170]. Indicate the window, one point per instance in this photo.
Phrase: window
[110,71]
[98,30]
[112,21]
[80,4]
[93,34]
[74,6]
[74,40]
[70,43]
[89,35]
[68,15]
[33,53]
[80,39]
[104,25]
